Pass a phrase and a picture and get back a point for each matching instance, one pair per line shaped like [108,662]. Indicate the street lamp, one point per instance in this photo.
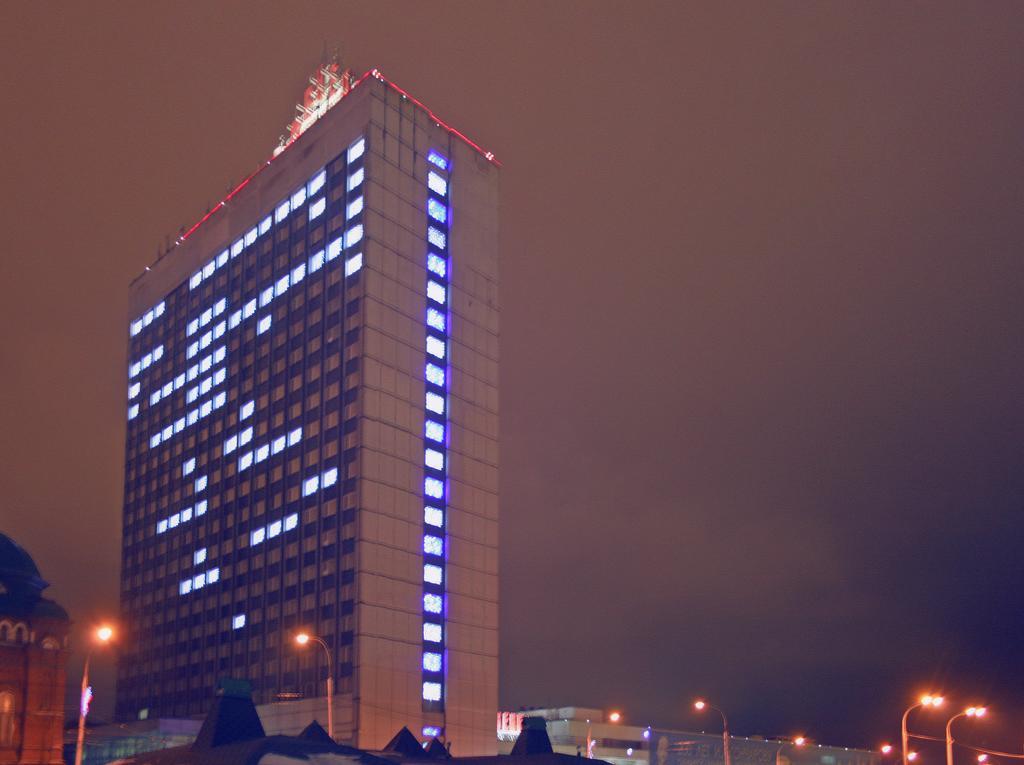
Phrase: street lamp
[101,636]
[615,717]
[928,700]
[303,639]
[700,705]
[969,712]
[798,741]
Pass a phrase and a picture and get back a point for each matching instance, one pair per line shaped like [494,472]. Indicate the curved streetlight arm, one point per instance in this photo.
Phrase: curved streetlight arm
[330,686]
[926,738]
[995,753]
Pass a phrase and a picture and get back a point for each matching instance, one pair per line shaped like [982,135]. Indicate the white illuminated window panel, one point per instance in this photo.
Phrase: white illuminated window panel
[432,662]
[437,183]
[432,458]
[432,604]
[435,403]
[199,556]
[433,545]
[317,208]
[437,237]
[434,431]
[436,292]
[433,516]
[353,264]
[317,182]
[355,179]
[433,574]
[435,346]
[431,691]
[354,208]
[353,235]
[355,151]
[238,621]
[432,632]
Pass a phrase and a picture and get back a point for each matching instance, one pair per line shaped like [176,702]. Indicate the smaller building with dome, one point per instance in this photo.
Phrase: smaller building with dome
[33,659]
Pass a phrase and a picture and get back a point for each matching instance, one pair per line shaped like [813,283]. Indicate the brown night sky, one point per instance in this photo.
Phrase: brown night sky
[763,430]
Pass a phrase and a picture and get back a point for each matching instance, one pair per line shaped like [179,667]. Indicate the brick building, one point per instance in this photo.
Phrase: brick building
[33,656]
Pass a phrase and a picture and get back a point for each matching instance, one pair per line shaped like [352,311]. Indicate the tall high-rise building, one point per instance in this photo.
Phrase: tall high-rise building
[312,439]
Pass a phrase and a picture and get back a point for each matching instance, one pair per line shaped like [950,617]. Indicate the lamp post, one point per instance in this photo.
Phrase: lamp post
[969,712]
[798,741]
[700,705]
[928,700]
[101,636]
[303,639]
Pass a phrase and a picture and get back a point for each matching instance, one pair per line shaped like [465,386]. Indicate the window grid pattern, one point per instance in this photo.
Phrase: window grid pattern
[437,322]
[200,600]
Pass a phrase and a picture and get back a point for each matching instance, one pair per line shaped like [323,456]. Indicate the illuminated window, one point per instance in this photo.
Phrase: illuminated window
[355,179]
[431,731]
[436,319]
[437,265]
[238,622]
[437,237]
[265,225]
[298,273]
[317,182]
[262,453]
[201,507]
[198,581]
[247,409]
[354,208]
[353,235]
[433,574]
[236,250]
[433,488]
[196,280]
[249,309]
[282,211]
[245,461]
[192,327]
[133,390]
[432,458]
[281,287]
[250,236]
[245,436]
[355,151]
[431,691]
[291,521]
[334,249]
[436,292]
[433,545]
[435,374]
[316,262]
[161,527]
[294,437]
[133,411]
[188,467]
[230,445]
[433,516]
[174,520]
[266,296]
[432,662]
[437,183]
[435,346]
[263,325]
[278,444]
[330,478]
[432,603]
[213,575]
[257,536]
[432,632]
[310,485]
[274,529]
[298,198]
[235,320]
[435,403]
[437,211]
[200,483]
[434,431]
[208,269]
[186,515]
[353,264]
[136,327]
[437,160]
[199,556]
[185,587]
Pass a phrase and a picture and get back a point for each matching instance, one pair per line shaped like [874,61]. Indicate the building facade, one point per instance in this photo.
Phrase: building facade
[589,730]
[33,658]
[312,434]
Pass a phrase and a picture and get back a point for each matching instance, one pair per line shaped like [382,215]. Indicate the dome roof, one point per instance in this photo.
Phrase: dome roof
[16,565]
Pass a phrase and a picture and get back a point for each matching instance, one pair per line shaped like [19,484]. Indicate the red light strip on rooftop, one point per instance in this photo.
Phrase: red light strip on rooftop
[375,73]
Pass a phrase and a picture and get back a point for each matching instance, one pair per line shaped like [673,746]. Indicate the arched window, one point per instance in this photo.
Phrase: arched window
[5,632]
[50,644]
[20,634]
[7,719]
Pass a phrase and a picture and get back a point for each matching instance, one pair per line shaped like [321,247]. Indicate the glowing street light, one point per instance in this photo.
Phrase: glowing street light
[700,705]
[969,712]
[302,639]
[885,748]
[797,742]
[101,636]
[932,700]
[615,717]
[983,757]
[911,756]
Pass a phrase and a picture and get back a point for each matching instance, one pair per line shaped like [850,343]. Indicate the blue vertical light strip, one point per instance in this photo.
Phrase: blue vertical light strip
[435,434]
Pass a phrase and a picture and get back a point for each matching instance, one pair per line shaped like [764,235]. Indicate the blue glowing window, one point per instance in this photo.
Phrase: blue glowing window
[199,556]
[247,409]
[330,478]
[208,269]
[316,262]
[298,198]
[437,265]
[437,237]
[213,575]
[434,431]
[437,183]
[353,264]
[433,458]
[257,536]
[282,211]
[435,403]
[334,249]
[436,319]
[310,485]
[431,731]
[236,250]
[432,632]
[291,521]
[161,527]
[295,436]
[274,529]
[200,483]
[437,211]
[189,466]
[432,604]
[431,691]
[355,151]
[245,461]
[354,208]
[355,179]
[250,236]
[436,292]
[435,346]
[433,574]
[433,545]
[317,208]
[317,182]
[353,235]
[186,587]
[298,273]
[238,622]
[263,325]
[265,225]
[249,309]
[432,487]
[133,411]
[435,375]
[433,516]
[437,160]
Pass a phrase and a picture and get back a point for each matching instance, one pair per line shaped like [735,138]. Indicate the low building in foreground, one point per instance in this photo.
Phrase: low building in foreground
[33,657]
[589,731]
